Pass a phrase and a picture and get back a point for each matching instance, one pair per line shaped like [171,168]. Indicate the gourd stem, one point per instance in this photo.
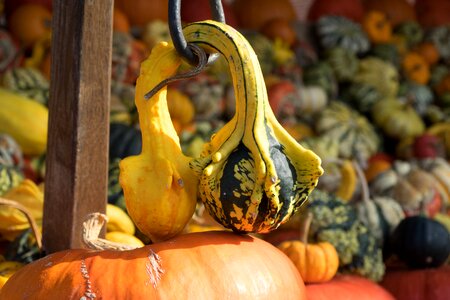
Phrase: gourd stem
[28,215]
[363,180]
[92,227]
[304,229]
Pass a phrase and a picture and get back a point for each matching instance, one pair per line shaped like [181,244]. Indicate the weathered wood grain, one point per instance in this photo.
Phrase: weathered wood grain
[77,155]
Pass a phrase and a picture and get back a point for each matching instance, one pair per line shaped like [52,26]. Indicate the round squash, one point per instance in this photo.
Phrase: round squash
[379,74]
[196,266]
[421,242]
[416,68]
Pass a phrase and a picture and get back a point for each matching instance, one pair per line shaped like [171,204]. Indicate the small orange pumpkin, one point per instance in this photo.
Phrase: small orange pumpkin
[30,23]
[429,52]
[416,68]
[315,262]
[377,27]
[443,86]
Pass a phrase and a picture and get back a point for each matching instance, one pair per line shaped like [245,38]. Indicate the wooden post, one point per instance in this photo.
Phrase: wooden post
[77,154]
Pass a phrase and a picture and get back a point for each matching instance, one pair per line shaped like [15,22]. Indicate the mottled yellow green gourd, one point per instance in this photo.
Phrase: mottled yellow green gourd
[159,187]
[253,174]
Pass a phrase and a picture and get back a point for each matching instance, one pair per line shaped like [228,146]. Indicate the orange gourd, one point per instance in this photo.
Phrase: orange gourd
[315,262]
[140,12]
[206,265]
[377,27]
[397,11]
[253,14]
[120,21]
[30,23]
[429,52]
[415,68]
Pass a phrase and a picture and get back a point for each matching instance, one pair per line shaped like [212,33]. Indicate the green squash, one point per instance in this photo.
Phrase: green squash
[343,62]
[379,74]
[397,119]
[354,133]
[263,48]
[360,96]
[386,52]
[124,140]
[115,191]
[321,74]
[10,152]
[10,177]
[338,31]
[337,223]
[412,31]
[440,37]
[28,82]
[420,96]
[24,248]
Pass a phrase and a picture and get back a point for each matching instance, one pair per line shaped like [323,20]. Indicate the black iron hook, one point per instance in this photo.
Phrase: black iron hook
[176,30]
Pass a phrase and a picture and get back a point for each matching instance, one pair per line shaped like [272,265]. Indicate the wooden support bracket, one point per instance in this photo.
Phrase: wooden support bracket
[77,154]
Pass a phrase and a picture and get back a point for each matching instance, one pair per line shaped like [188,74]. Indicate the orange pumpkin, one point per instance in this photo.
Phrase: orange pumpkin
[140,12]
[30,23]
[315,262]
[279,28]
[397,11]
[253,14]
[204,265]
[429,52]
[347,287]
[120,21]
[377,27]
[415,68]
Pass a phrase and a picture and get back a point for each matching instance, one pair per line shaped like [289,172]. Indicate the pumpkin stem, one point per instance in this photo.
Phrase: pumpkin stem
[92,227]
[28,215]
[304,229]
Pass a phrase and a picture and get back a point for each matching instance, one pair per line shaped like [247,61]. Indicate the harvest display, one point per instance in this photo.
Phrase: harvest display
[311,157]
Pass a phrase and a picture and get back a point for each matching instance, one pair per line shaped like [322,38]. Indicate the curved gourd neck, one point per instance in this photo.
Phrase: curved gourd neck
[243,63]
[154,117]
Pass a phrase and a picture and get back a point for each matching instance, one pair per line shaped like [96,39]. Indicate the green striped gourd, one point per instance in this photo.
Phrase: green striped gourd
[253,174]
[355,134]
[28,82]
[337,31]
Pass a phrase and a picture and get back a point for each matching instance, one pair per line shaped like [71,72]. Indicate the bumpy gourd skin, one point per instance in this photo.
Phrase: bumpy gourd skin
[253,174]
[159,187]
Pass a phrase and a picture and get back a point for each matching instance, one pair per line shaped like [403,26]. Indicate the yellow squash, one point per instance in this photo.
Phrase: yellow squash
[25,120]
[159,187]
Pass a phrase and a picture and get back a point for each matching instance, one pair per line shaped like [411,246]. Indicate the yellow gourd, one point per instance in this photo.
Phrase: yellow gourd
[13,221]
[25,120]
[118,220]
[159,187]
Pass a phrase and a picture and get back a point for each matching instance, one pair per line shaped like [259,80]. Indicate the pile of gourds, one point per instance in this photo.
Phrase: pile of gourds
[365,88]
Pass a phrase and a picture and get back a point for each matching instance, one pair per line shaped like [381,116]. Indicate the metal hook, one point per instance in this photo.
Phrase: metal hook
[202,61]
[176,30]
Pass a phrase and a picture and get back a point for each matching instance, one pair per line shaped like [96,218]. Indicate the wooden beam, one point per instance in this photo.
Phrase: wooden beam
[77,154]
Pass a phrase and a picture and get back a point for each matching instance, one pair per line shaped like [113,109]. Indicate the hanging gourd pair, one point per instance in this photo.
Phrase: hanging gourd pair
[252,175]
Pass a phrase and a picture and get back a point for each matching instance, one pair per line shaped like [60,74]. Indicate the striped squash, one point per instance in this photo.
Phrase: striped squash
[28,82]
[355,134]
[253,174]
